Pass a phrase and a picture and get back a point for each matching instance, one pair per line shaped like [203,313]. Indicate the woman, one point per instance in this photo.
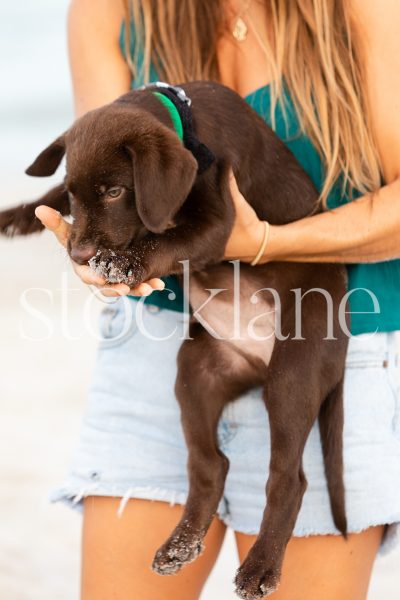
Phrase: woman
[338,112]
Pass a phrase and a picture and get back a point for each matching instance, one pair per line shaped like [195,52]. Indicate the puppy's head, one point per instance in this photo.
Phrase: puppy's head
[127,174]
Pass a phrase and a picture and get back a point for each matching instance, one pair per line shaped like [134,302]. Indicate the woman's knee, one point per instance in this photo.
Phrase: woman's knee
[117,551]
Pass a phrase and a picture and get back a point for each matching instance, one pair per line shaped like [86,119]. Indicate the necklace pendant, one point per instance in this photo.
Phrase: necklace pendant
[240,30]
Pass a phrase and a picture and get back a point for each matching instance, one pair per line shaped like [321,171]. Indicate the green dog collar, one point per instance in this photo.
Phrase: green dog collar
[178,104]
[173,112]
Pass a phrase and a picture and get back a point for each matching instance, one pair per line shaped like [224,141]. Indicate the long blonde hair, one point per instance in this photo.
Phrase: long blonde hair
[312,49]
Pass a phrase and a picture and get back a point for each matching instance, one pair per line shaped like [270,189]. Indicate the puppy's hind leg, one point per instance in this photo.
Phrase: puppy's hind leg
[201,399]
[204,385]
[294,393]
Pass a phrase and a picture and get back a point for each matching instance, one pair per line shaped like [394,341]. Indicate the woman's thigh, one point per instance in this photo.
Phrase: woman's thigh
[324,566]
[117,552]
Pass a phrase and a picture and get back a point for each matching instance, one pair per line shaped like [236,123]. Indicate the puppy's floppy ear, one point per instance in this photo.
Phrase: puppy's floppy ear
[164,173]
[49,160]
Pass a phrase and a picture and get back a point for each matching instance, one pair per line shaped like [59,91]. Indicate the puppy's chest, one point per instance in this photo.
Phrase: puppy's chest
[234,311]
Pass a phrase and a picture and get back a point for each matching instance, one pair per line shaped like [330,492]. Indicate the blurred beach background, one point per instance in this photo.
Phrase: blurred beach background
[45,363]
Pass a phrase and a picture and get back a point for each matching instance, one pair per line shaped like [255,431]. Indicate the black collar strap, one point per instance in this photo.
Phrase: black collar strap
[182,103]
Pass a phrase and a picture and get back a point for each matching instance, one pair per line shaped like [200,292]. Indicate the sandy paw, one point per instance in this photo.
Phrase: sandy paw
[254,582]
[116,267]
[177,552]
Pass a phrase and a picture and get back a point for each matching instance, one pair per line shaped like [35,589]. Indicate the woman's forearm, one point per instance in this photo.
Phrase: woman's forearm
[362,231]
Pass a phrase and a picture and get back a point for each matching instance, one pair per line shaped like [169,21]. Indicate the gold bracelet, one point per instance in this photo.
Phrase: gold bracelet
[261,251]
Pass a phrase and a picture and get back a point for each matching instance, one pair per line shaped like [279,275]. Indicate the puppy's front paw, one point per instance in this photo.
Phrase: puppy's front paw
[118,267]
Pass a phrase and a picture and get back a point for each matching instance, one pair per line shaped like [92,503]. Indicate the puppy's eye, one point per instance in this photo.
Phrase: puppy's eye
[114,192]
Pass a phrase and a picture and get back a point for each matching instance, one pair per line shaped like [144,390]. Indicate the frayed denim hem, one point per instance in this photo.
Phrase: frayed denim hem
[73,496]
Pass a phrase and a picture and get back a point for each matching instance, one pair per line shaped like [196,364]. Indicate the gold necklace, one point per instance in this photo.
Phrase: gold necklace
[240,29]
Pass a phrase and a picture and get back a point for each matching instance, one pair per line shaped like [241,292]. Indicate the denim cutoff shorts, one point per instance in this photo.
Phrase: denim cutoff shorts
[131,443]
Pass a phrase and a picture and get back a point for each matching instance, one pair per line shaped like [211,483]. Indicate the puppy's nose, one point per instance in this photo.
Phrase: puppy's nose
[82,254]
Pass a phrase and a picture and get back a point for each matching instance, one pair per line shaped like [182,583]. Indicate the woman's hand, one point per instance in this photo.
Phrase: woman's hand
[53,221]
[248,231]
[326,237]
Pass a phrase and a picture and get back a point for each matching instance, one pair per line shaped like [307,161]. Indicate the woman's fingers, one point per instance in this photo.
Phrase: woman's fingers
[233,184]
[53,221]
[87,275]
[156,284]
[120,289]
[147,287]
[114,290]
[245,214]
[144,289]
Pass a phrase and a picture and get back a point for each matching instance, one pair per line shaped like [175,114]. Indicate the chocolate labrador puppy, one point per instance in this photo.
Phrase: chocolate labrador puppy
[143,201]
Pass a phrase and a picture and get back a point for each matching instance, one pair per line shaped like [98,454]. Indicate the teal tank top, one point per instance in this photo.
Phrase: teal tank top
[382,279]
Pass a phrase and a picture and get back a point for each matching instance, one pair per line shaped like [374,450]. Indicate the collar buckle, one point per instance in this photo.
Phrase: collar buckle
[175,89]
